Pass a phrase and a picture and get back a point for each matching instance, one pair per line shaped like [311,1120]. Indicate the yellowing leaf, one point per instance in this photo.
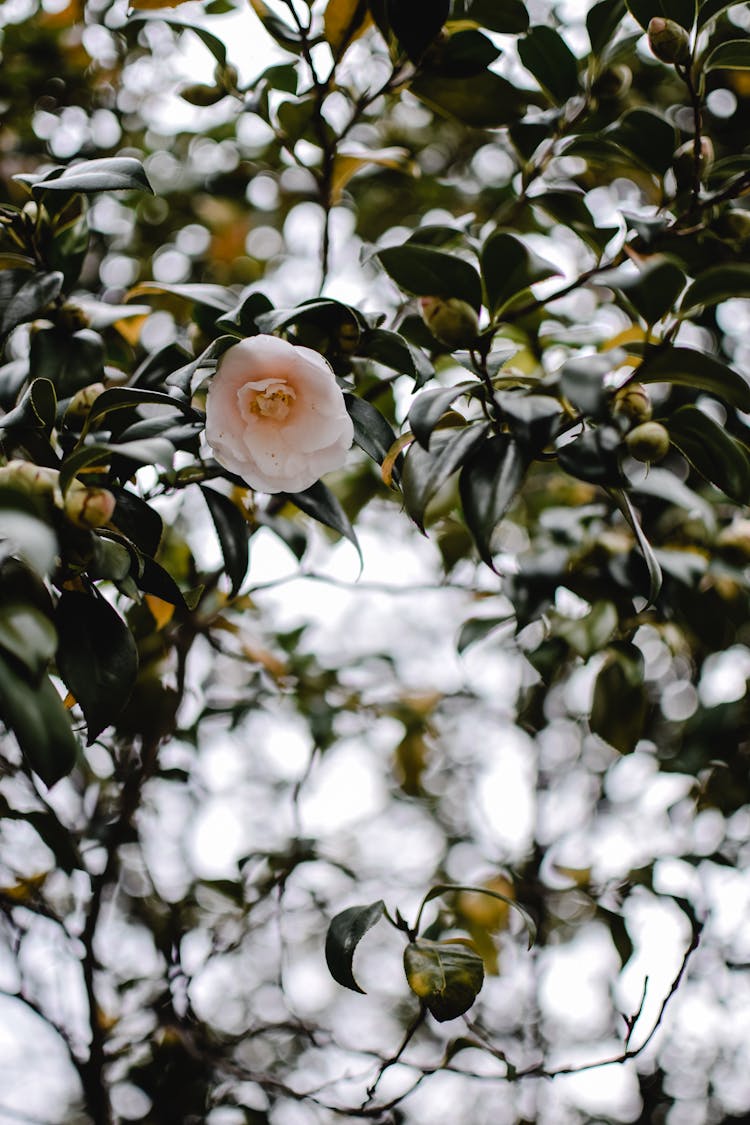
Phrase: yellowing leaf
[130,328]
[386,469]
[446,975]
[345,21]
[347,165]
[484,910]
[161,611]
[149,5]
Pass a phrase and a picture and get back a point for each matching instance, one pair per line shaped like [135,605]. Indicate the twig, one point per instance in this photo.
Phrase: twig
[388,1063]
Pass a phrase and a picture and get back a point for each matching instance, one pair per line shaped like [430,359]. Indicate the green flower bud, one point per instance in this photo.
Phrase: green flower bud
[450,320]
[668,41]
[684,161]
[88,507]
[37,480]
[632,405]
[648,442]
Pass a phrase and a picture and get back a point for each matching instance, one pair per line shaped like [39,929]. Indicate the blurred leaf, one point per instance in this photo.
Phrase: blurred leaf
[532,419]
[441,889]
[347,164]
[509,17]
[717,284]
[654,290]
[545,53]
[344,935]
[648,136]
[425,272]
[618,710]
[477,628]
[487,102]
[36,715]
[594,456]
[70,360]
[446,976]
[652,565]
[681,11]
[417,23]
[587,635]
[688,367]
[488,485]
[509,267]
[212,296]
[233,532]
[111,173]
[320,504]
[712,452]
[96,656]
[343,22]
[462,54]
[569,208]
[28,635]
[286,36]
[214,44]
[602,21]
[36,409]
[582,382]
[23,297]
[424,472]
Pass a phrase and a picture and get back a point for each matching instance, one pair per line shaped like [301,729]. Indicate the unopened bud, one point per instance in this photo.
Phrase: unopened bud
[36,480]
[89,507]
[735,538]
[648,442]
[632,405]
[451,321]
[668,40]
[83,400]
[685,164]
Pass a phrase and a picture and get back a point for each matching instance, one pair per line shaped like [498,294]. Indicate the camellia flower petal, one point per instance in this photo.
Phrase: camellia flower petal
[275,415]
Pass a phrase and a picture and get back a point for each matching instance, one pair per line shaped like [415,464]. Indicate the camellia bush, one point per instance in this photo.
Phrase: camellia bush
[374,561]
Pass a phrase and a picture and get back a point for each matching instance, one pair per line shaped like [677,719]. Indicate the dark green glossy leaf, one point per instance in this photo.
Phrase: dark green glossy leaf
[417,23]
[618,710]
[533,419]
[424,472]
[212,42]
[654,290]
[128,398]
[709,9]
[712,452]
[487,102]
[320,504]
[96,656]
[147,452]
[488,485]
[428,408]
[681,11]
[137,520]
[233,532]
[36,715]
[210,296]
[425,272]
[152,578]
[28,635]
[372,432]
[569,208]
[111,173]
[594,456]
[36,409]
[602,20]
[733,54]
[509,17]
[344,935]
[242,319]
[652,565]
[582,382]
[717,284]
[70,361]
[509,267]
[545,53]
[23,297]
[446,976]
[648,136]
[397,353]
[687,367]
[463,55]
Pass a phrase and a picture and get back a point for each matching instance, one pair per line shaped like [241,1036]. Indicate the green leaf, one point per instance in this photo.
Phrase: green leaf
[569,208]
[475,629]
[587,635]
[23,535]
[70,361]
[214,44]
[594,456]
[210,296]
[532,418]
[647,135]
[464,54]
[397,353]
[242,318]
[152,578]
[128,398]
[372,432]
[137,520]
[509,267]
[619,707]
[654,290]
[36,410]
[344,935]
[41,724]
[509,17]
[320,504]
[709,9]
[111,173]
[734,54]
[546,54]
[487,102]
[97,657]
[602,21]
[446,976]
[712,452]
[233,533]
[652,565]
[425,272]
[582,382]
[717,284]
[28,635]
[425,472]
[417,23]
[23,297]
[441,889]
[488,485]
[428,408]
[147,452]
[687,367]
[681,11]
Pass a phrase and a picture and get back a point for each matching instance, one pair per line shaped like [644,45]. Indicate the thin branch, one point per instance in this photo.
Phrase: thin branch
[411,1031]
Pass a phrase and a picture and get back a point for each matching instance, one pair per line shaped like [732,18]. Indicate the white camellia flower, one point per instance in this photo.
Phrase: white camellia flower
[275,415]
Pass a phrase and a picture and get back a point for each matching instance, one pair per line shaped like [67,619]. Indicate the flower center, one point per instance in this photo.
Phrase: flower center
[274,402]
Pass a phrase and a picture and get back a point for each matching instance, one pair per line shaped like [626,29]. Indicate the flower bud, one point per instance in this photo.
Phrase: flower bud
[735,538]
[83,400]
[648,442]
[668,41]
[451,321]
[632,405]
[89,507]
[684,161]
[37,480]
